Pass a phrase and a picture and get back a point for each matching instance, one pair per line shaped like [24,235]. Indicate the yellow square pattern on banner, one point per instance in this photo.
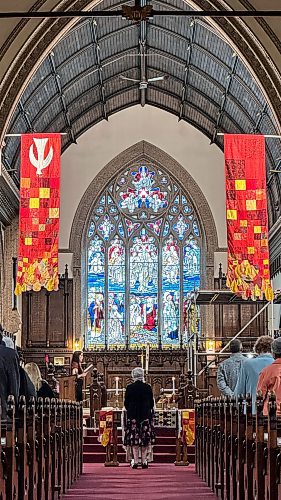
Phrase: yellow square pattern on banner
[251,250]
[231,214]
[34,203]
[240,185]
[44,192]
[42,227]
[257,229]
[54,213]
[251,205]
[25,182]
[28,241]
[243,223]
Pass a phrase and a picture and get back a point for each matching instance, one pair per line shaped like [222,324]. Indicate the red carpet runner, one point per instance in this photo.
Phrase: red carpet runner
[159,482]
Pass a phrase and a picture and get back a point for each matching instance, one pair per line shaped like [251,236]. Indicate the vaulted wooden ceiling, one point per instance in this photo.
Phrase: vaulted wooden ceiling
[79,82]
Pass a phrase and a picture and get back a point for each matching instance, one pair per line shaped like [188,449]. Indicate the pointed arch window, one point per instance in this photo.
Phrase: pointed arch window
[144,257]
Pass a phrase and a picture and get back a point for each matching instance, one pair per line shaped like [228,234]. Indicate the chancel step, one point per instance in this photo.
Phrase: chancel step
[164,450]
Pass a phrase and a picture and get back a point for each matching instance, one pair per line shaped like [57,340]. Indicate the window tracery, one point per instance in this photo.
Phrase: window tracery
[144,257]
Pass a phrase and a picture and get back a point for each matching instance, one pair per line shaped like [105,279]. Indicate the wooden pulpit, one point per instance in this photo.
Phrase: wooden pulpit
[67,388]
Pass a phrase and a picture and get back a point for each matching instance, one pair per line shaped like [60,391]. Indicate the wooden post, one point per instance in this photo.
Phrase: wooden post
[249,457]
[272,482]
[212,442]
[40,449]
[64,449]
[47,448]
[68,445]
[11,451]
[31,450]
[59,444]
[111,459]
[227,447]
[240,450]
[233,446]
[181,446]
[54,450]
[219,486]
[23,472]
[259,469]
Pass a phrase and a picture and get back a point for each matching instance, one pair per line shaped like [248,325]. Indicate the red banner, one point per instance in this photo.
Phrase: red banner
[39,213]
[105,427]
[246,216]
[188,426]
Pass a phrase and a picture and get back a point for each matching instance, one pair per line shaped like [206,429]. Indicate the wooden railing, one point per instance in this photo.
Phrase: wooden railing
[238,454]
[41,449]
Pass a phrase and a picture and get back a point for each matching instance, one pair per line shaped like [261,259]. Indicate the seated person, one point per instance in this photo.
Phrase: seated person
[43,390]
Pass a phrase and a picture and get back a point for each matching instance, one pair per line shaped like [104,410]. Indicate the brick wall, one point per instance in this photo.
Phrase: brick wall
[10,318]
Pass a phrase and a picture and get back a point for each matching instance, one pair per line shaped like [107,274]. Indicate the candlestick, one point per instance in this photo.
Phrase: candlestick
[116,385]
[174,386]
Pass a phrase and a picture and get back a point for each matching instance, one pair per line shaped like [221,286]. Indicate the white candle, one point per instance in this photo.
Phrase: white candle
[174,385]
[116,385]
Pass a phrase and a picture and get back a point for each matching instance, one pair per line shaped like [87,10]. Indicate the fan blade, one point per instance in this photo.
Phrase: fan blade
[129,79]
[157,79]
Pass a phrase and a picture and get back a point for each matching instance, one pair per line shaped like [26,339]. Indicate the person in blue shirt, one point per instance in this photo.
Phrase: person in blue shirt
[250,370]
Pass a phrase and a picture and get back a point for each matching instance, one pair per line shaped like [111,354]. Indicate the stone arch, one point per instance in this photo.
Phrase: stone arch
[77,241]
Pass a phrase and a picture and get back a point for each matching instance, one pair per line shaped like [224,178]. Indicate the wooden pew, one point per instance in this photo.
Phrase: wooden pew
[41,451]
[236,454]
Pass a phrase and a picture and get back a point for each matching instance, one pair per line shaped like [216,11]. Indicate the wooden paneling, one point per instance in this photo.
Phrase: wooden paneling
[47,317]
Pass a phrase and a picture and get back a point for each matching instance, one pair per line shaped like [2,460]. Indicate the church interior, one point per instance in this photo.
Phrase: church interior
[121,184]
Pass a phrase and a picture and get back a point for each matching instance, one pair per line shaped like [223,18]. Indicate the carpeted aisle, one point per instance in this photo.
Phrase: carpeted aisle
[159,482]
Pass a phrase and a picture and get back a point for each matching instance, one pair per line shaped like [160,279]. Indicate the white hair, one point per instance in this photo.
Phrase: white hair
[138,374]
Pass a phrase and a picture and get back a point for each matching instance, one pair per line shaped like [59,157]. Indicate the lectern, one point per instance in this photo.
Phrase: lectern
[68,388]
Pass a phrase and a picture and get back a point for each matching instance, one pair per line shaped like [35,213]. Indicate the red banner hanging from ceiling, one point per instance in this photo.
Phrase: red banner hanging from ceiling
[246,216]
[39,213]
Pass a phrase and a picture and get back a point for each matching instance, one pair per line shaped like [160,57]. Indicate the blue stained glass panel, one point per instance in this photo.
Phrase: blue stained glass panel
[91,229]
[143,290]
[116,293]
[171,292]
[96,289]
[191,277]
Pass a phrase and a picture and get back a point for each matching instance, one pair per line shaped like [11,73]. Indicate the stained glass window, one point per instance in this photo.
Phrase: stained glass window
[144,258]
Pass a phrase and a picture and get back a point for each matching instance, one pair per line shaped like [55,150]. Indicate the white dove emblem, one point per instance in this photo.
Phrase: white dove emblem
[40,162]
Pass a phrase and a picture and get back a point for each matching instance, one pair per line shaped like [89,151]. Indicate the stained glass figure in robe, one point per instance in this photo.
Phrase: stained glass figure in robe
[116,293]
[96,284]
[143,290]
[171,291]
[191,278]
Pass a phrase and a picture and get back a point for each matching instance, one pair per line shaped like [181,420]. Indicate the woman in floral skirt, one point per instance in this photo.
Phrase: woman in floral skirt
[139,432]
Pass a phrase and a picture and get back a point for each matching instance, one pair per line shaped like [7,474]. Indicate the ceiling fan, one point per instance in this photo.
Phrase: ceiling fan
[144,83]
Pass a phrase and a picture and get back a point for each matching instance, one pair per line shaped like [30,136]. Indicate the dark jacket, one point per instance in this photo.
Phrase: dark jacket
[9,376]
[139,401]
[27,388]
[45,391]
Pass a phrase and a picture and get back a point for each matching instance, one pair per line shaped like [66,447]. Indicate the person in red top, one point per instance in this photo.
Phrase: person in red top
[270,378]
